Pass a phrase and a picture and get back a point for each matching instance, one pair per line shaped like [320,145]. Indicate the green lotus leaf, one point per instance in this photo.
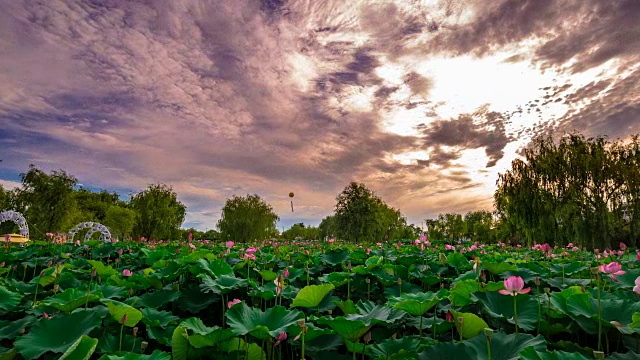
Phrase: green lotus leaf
[179,344]
[11,329]
[70,299]
[252,351]
[313,331]
[398,289]
[158,298]
[336,278]
[161,335]
[310,296]
[104,271]
[243,319]
[194,300]
[442,325]
[458,261]
[390,347]
[498,267]
[221,285]
[348,307]
[626,356]
[8,299]
[621,311]
[374,262]
[530,353]
[559,299]
[57,334]
[501,307]
[415,303]
[215,268]
[153,317]
[505,347]
[268,275]
[334,257]
[448,351]
[263,294]
[118,310]
[155,355]
[351,330]
[216,336]
[569,268]
[113,292]
[460,294]
[81,349]
[471,326]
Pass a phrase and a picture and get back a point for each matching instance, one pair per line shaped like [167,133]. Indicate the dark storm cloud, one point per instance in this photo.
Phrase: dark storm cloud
[480,130]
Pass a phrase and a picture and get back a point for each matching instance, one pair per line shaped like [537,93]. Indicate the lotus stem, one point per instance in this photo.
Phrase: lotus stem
[421,327]
[121,329]
[515,313]
[599,316]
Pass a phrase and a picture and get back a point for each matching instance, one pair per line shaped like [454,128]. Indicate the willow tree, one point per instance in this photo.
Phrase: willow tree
[573,191]
[247,218]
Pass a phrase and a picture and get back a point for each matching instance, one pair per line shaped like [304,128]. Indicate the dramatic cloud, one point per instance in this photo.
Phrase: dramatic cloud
[424,101]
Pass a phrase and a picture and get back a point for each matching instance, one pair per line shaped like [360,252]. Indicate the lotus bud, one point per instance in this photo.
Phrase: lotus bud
[124,319]
[399,281]
[582,288]
[56,288]
[301,323]
[93,272]
[367,337]
[349,266]
[547,290]
[330,311]
[449,316]
[537,281]
[394,336]
[143,345]
[21,331]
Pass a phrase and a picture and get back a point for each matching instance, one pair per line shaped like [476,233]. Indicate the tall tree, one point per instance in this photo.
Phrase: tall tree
[120,221]
[47,200]
[328,227]
[160,214]
[247,218]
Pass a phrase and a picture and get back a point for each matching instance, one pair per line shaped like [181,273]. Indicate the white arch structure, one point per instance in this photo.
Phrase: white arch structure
[18,219]
[105,234]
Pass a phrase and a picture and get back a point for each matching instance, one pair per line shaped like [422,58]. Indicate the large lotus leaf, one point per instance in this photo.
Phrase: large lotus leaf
[221,285]
[498,267]
[626,356]
[447,351]
[56,334]
[505,347]
[390,347]
[373,314]
[313,332]
[194,300]
[267,275]
[118,310]
[559,299]
[263,294]
[351,330]
[155,355]
[104,271]
[161,335]
[373,262]
[348,307]
[472,324]
[621,311]
[215,268]
[415,303]
[569,268]
[8,299]
[335,257]
[153,317]
[252,351]
[336,278]
[397,289]
[458,261]
[158,298]
[310,296]
[385,275]
[70,299]
[217,336]
[243,319]
[427,324]
[627,281]
[530,353]
[179,344]
[460,295]
[196,326]
[81,349]
[559,283]
[501,306]
[113,292]
[11,329]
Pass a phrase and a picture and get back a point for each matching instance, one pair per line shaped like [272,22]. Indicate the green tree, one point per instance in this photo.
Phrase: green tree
[94,205]
[159,213]
[247,218]
[478,225]
[46,200]
[328,227]
[120,221]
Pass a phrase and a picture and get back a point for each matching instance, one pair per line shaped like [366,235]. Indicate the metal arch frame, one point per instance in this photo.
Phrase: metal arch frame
[105,234]
[18,219]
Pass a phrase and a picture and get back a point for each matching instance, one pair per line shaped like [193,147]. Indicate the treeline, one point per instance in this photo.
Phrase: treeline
[55,203]
[584,191]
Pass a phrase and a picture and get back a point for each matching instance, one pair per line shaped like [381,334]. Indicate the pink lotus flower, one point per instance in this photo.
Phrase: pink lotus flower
[46,316]
[281,337]
[190,237]
[126,272]
[622,246]
[613,269]
[120,251]
[638,256]
[249,256]
[514,285]
[636,289]
[233,302]
[191,246]
[285,273]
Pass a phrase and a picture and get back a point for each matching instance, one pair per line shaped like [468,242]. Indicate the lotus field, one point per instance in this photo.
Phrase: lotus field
[317,300]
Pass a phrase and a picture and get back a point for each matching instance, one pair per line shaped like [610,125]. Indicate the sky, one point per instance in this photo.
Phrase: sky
[425,102]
